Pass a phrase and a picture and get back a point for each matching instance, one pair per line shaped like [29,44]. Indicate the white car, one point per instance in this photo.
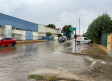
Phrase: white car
[83,40]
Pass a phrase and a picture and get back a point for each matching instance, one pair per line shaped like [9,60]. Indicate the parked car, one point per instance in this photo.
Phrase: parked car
[7,41]
[65,37]
[62,39]
[83,40]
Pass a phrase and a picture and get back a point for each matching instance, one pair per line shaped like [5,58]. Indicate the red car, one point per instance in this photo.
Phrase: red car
[7,41]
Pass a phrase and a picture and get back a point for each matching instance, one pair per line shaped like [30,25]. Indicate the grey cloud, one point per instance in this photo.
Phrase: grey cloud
[48,11]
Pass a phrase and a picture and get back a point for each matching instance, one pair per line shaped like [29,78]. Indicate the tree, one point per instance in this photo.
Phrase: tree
[59,35]
[66,29]
[101,25]
[84,35]
[48,34]
[51,26]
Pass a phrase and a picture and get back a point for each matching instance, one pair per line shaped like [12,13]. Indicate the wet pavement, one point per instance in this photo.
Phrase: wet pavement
[17,62]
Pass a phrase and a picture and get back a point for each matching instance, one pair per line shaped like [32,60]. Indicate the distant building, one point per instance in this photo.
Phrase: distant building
[24,30]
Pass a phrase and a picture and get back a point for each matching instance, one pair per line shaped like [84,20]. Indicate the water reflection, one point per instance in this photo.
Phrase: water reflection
[6,50]
[36,56]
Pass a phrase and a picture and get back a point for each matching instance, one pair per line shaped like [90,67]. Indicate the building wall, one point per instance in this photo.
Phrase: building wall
[49,30]
[35,35]
[60,31]
[41,36]
[29,35]
[64,34]
[56,32]
[19,34]
[55,37]
[17,23]
[41,28]
[23,35]
[1,31]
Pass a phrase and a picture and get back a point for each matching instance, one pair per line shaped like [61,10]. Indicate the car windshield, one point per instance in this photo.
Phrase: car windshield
[60,37]
[0,38]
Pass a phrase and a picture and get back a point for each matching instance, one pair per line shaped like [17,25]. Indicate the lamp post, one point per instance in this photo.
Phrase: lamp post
[53,28]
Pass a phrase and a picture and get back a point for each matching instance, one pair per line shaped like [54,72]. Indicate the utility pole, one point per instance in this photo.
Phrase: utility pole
[54,28]
[75,40]
[79,26]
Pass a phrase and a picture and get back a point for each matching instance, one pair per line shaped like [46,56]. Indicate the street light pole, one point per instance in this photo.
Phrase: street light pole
[53,28]
[79,26]
[75,40]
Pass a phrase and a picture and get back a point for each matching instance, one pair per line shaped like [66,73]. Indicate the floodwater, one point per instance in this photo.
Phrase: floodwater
[17,62]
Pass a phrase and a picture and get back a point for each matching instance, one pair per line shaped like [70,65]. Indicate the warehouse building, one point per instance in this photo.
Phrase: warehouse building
[22,29]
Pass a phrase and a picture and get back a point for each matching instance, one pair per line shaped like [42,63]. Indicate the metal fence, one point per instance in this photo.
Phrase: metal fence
[19,37]
[103,40]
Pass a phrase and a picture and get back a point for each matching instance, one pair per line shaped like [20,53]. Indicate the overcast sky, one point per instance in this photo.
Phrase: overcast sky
[66,11]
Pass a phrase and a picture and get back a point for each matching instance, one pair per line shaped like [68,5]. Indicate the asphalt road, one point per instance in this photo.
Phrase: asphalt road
[17,62]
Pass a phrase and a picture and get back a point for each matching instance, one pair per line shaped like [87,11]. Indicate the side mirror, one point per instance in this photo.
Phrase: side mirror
[2,40]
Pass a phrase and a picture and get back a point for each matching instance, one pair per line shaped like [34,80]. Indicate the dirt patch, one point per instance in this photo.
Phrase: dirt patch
[95,50]
[58,74]
[29,41]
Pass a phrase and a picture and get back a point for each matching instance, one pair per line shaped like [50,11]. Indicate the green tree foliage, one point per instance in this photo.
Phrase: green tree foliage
[59,35]
[84,35]
[101,25]
[48,34]
[51,26]
[66,29]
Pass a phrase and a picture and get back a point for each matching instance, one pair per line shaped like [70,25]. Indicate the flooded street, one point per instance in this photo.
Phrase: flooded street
[17,62]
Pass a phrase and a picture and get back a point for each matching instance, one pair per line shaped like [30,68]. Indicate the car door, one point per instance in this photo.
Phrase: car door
[85,40]
[9,41]
[4,41]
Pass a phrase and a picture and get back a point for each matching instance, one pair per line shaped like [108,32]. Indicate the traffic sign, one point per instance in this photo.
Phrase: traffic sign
[72,29]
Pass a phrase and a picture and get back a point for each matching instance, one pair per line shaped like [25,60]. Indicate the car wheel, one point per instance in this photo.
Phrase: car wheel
[13,44]
[89,42]
[78,42]
[6,45]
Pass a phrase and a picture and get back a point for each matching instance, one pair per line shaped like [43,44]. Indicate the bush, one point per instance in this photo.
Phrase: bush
[101,25]
[48,34]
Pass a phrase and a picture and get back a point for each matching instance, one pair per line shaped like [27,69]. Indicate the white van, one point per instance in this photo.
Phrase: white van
[83,40]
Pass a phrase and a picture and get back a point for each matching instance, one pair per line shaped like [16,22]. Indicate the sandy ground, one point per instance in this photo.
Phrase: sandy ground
[93,49]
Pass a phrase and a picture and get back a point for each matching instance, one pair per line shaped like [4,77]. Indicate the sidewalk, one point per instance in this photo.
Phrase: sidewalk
[30,41]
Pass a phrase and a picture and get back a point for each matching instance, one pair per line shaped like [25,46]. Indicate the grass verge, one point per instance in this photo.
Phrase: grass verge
[46,78]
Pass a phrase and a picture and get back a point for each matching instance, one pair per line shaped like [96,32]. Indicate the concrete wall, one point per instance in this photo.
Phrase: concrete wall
[1,31]
[50,30]
[41,34]
[35,35]
[60,31]
[23,35]
[41,28]
[17,32]
[20,32]
[55,37]
[56,32]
